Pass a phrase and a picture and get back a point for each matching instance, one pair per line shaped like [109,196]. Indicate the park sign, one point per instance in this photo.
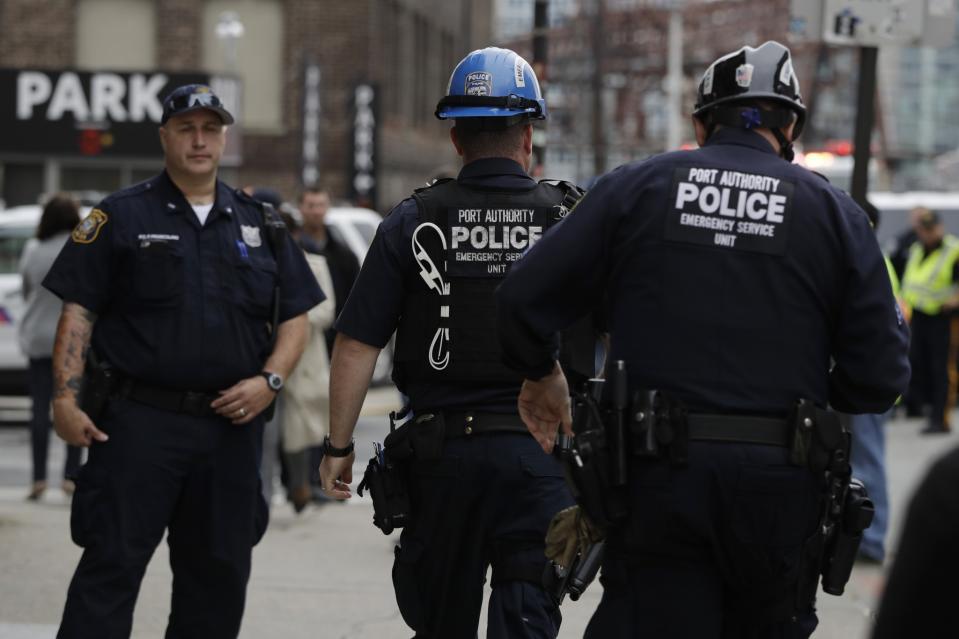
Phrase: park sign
[874,23]
[109,114]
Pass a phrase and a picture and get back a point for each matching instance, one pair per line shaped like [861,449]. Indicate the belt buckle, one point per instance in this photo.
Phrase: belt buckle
[192,404]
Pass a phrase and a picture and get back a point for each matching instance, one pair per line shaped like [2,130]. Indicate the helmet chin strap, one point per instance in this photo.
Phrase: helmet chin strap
[749,117]
[786,150]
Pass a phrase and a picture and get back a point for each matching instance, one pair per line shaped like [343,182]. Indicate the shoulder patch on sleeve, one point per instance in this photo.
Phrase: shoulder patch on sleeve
[88,230]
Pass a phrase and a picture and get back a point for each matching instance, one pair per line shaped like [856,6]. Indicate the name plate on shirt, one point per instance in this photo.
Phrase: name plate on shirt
[730,210]
[484,242]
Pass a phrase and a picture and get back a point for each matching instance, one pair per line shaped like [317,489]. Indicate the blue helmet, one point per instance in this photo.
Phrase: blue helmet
[493,83]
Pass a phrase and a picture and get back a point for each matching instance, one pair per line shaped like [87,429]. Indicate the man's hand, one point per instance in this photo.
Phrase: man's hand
[73,425]
[244,400]
[336,473]
[544,407]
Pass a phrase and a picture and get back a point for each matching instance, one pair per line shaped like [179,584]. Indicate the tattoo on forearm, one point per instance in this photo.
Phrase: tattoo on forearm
[71,348]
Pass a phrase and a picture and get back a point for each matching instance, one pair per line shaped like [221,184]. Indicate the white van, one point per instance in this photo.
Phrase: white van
[18,225]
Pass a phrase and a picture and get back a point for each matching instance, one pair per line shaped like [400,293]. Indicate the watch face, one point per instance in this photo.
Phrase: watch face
[274,381]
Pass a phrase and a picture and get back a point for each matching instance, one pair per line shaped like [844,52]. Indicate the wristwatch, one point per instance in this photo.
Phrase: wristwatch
[333,451]
[274,381]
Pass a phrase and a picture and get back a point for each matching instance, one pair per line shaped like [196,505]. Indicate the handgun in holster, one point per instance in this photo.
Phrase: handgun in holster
[574,581]
[595,460]
[99,383]
[822,444]
[386,477]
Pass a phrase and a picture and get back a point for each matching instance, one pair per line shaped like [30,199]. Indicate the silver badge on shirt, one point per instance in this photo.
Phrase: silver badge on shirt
[251,235]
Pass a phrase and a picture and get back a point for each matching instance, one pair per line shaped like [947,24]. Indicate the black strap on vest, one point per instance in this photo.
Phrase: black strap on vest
[273,229]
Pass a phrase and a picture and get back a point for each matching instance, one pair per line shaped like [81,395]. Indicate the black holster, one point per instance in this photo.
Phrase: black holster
[594,461]
[387,478]
[99,383]
[822,444]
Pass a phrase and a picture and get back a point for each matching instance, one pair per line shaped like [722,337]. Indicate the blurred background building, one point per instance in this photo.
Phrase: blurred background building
[342,93]
[326,91]
[620,48]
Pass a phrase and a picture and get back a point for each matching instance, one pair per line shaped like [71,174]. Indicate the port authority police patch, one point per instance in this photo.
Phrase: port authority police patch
[485,242]
[730,210]
[479,83]
[88,230]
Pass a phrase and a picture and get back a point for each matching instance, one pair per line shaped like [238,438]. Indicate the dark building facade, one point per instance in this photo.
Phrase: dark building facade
[329,92]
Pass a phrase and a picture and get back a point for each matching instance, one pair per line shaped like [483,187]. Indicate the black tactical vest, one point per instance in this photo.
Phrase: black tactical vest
[464,243]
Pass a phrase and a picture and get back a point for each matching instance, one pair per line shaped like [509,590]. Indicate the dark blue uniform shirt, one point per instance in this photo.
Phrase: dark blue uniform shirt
[181,305]
[375,304]
[730,277]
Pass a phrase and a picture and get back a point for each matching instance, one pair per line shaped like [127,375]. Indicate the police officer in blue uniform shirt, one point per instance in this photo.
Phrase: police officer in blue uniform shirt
[173,287]
[731,279]
[482,490]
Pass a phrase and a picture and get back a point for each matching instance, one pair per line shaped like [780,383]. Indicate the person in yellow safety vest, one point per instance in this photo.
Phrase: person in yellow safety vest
[929,288]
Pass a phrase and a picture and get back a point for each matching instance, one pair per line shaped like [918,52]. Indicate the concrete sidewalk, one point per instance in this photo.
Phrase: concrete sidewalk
[326,573]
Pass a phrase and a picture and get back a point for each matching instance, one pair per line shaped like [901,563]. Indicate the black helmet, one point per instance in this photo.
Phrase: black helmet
[765,73]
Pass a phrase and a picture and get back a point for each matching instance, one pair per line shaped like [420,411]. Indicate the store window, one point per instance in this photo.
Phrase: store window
[116,35]
[94,181]
[254,53]
[22,183]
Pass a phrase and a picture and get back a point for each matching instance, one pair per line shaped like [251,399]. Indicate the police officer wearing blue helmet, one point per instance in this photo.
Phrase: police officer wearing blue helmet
[184,309]
[735,285]
[482,491]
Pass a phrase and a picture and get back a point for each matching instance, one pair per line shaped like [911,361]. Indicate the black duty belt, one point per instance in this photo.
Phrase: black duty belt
[466,423]
[744,429]
[187,402]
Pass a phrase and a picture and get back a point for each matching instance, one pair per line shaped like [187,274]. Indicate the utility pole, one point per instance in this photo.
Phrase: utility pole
[674,77]
[598,85]
[540,55]
[865,120]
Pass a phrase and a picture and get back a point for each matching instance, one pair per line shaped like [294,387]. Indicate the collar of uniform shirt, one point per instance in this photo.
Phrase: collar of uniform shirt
[504,170]
[171,194]
[741,137]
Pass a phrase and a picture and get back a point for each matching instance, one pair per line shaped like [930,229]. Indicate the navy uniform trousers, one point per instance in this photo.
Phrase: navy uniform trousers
[489,499]
[160,470]
[932,355]
[711,550]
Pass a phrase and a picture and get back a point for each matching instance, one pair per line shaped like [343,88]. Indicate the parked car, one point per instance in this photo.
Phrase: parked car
[18,225]
[356,227]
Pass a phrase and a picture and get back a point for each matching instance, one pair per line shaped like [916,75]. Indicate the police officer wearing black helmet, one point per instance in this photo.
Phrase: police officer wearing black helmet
[188,308]
[735,284]
[482,490]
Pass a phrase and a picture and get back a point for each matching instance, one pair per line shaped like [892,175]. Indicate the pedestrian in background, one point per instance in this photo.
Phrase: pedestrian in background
[36,332]
[185,307]
[316,237]
[930,287]
[305,399]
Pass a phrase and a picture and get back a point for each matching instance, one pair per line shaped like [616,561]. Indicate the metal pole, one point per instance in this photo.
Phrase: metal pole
[598,84]
[674,79]
[865,119]
[540,55]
